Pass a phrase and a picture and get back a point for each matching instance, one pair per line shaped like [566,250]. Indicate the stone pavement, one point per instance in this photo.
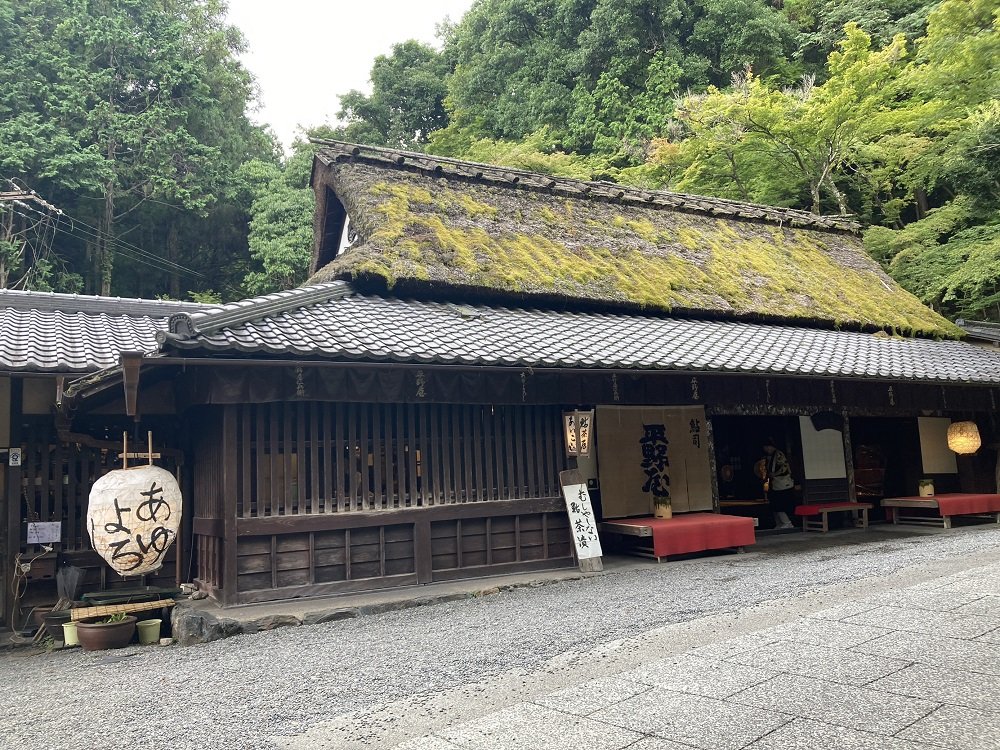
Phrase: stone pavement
[911,668]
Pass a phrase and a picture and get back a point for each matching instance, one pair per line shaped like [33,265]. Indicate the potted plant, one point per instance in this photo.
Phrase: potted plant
[114,631]
[926,487]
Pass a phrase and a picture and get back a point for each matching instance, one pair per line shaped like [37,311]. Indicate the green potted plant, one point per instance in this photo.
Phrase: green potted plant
[114,631]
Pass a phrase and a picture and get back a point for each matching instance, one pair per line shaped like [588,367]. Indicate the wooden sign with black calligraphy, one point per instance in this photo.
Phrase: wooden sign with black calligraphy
[582,523]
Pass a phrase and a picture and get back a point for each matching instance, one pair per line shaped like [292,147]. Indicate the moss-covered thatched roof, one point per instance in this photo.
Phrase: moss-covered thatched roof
[423,223]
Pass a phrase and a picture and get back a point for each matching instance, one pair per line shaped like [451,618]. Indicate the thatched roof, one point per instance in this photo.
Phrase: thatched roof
[426,225]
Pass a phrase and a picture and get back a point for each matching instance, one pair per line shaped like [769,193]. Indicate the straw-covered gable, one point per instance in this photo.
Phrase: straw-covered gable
[425,224]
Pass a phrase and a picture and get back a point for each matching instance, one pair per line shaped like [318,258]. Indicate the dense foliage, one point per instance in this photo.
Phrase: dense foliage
[131,115]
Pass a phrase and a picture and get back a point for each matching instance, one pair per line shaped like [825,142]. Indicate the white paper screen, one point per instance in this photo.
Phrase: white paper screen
[822,452]
[938,458]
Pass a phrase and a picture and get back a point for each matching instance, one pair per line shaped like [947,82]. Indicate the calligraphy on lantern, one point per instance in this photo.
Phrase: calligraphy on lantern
[581,521]
[147,512]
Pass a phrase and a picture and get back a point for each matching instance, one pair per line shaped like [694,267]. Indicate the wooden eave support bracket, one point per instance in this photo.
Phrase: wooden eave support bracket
[131,363]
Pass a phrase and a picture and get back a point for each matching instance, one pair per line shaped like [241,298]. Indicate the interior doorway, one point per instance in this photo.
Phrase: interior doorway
[739,449]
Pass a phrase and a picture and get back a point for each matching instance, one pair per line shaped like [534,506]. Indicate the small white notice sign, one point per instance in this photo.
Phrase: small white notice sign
[14,457]
[581,521]
[49,532]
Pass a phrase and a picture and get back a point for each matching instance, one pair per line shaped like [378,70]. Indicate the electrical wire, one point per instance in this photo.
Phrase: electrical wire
[126,248]
[84,232]
[151,262]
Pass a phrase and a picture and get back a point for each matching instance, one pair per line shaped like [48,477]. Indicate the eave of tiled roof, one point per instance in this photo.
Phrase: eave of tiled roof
[69,333]
[981,330]
[93,304]
[332,322]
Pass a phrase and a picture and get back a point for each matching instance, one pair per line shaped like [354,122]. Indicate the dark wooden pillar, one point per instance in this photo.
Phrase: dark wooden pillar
[852,490]
[229,489]
[13,493]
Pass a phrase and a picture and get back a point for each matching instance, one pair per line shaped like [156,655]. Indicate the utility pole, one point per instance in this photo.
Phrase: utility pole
[12,255]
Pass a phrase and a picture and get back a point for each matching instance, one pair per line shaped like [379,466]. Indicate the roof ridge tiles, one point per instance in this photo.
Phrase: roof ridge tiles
[19,299]
[183,326]
[334,150]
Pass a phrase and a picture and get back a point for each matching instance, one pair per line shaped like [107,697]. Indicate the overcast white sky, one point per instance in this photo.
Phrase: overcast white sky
[307,52]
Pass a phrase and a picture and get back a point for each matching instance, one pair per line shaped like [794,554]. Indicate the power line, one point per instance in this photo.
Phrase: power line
[55,219]
[57,228]
[125,248]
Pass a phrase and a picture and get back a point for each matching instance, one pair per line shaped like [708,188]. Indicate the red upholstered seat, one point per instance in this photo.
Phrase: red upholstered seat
[696,532]
[958,504]
[814,509]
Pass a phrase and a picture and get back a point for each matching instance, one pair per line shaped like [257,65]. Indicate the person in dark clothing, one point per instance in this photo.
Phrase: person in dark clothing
[780,485]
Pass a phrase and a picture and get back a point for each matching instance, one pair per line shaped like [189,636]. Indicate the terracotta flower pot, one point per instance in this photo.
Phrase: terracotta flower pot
[97,636]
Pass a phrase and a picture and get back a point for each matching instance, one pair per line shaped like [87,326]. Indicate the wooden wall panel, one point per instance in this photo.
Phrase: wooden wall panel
[313,458]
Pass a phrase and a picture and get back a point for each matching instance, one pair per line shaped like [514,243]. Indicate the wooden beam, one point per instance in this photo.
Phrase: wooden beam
[229,490]
[131,364]
[330,521]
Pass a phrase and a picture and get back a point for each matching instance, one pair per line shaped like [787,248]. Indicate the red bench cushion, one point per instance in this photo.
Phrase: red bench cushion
[813,509]
[958,504]
[696,532]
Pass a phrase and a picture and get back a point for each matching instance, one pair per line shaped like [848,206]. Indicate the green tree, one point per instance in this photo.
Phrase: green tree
[127,113]
[780,145]
[407,100]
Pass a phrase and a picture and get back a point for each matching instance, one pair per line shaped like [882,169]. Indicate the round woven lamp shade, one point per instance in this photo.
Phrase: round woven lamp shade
[963,437]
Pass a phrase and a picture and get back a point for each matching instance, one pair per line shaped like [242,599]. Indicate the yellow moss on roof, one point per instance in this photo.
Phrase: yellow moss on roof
[502,239]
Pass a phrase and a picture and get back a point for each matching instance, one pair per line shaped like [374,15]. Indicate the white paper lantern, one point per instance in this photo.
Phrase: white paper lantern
[133,517]
[963,437]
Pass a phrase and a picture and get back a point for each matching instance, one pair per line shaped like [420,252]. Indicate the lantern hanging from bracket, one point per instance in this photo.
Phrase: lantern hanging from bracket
[963,437]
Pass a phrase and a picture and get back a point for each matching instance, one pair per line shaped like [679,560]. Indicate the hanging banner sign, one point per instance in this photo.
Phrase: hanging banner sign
[653,456]
[133,517]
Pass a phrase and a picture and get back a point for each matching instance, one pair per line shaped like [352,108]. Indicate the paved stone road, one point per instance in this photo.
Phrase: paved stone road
[441,676]
[911,669]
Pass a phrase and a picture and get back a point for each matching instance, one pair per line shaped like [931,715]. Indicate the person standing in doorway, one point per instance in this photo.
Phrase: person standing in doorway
[780,486]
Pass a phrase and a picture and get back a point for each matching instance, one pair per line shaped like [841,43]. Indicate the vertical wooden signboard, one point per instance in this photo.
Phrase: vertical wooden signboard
[581,521]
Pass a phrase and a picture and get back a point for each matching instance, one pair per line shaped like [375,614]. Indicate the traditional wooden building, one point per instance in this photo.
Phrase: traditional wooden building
[46,464]
[398,419]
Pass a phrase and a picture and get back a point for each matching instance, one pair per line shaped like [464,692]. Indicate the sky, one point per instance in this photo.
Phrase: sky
[305,53]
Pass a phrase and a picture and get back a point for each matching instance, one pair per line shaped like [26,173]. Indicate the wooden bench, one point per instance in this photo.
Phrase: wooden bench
[809,512]
[684,533]
[939,509]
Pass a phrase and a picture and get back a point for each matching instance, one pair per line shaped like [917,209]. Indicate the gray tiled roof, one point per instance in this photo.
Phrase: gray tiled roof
[331,321]
[44,332]
[981,330]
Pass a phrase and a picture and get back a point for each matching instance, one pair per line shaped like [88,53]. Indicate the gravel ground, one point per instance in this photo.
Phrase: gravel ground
[238,692]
